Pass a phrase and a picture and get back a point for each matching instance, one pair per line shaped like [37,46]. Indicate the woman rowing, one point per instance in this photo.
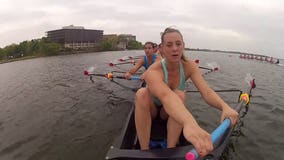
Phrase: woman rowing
[164,96]
[147,60]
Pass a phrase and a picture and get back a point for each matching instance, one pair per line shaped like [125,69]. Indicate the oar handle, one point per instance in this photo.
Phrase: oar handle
[220,130]
[122,77]
[215,135]
[135,78]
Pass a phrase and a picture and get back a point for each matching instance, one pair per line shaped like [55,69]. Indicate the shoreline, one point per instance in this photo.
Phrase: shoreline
[82,52]
[18,59]
[38,56]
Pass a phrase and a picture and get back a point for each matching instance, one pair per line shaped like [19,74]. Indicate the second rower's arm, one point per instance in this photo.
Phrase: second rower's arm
[133,70]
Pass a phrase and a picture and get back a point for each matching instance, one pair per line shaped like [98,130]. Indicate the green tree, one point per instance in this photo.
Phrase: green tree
[134,45]
[50,49]
[24,48]
[2,54]
[11,51]
[108,44]
[36,47]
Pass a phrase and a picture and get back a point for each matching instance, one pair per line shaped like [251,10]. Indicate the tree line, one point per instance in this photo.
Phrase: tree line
[36,47]
[113,44]
[44,47]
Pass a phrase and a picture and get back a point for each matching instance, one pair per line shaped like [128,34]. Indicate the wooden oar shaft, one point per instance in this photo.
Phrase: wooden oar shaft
[116,64]
[205,68]
[95,74]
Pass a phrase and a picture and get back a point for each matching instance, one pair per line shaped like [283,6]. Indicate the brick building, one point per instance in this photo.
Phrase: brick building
[75,37]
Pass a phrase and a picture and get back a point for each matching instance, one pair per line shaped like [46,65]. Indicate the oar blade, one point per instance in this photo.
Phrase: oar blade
[213,65]
[250,80]
[89,71]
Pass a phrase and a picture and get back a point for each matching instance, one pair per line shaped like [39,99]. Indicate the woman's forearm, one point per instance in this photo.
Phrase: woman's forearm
[213,99]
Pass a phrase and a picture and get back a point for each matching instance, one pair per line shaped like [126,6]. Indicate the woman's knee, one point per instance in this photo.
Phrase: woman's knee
[144,101]
[142,94]
[143,98]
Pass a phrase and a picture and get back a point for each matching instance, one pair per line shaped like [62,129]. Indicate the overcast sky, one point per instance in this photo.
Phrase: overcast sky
[255,26]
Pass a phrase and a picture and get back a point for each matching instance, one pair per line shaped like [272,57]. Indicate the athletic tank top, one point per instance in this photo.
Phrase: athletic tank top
[181,86]
[181,72]
[146,65]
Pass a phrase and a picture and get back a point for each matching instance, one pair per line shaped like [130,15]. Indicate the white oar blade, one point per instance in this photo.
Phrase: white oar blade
[248,78]
[213,65]
[91,69]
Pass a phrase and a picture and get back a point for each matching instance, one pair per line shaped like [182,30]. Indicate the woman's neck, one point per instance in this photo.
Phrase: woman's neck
[172,66]
[150,55]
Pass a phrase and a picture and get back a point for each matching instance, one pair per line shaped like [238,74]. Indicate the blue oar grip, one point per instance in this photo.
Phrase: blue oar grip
[215,135]
[135,78]
[220,130]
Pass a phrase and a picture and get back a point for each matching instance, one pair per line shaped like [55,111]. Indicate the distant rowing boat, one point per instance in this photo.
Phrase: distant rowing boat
[260,58]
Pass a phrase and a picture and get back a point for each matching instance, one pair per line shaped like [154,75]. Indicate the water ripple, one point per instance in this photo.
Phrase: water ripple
[50,110]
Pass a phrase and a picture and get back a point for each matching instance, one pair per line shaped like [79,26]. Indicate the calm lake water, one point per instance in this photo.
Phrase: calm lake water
[50,110]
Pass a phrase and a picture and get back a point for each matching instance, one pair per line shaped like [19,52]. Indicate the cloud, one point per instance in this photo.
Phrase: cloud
[252,26]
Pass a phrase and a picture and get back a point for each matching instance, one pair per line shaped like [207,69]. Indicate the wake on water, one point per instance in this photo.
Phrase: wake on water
[280,64]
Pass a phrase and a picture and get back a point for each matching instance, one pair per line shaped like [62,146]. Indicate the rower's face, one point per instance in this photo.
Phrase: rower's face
[173,46]
[148,49]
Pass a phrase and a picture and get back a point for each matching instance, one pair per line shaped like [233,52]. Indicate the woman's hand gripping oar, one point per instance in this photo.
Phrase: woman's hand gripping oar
[222,128]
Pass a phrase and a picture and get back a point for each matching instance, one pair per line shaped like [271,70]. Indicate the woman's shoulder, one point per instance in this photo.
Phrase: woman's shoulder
[189,67]
[155,66]
[158,57]
[189,63]
[153,72]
